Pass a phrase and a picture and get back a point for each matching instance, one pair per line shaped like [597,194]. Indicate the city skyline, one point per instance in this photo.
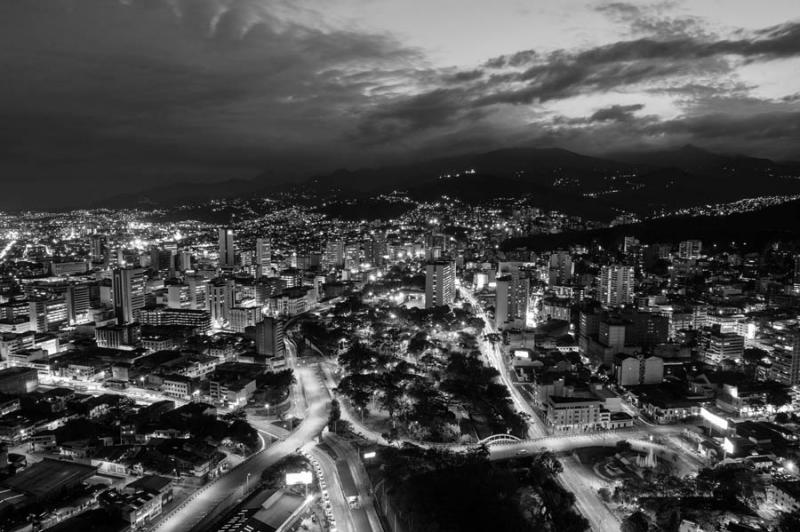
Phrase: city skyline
[383,266]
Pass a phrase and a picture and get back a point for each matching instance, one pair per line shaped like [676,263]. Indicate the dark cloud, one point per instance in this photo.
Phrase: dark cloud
[616,113]
[101,97]
[651,20]
[118,97]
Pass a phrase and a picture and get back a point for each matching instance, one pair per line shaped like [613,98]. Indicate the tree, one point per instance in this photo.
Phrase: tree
[753,355]
[778,397]
[604,494]
[548,463]
[357,388]
[636,522]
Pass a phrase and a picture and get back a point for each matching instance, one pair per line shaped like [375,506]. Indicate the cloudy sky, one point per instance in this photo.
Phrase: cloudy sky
[102,96]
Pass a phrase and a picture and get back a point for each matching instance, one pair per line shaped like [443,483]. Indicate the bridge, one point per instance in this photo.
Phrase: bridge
[499,439]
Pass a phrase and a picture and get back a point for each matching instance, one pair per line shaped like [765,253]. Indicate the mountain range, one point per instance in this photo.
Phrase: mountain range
[595,187]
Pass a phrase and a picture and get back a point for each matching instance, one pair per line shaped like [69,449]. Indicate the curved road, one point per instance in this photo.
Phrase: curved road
[215,498]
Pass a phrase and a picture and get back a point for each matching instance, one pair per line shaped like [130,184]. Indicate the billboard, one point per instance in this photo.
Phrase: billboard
[303,477]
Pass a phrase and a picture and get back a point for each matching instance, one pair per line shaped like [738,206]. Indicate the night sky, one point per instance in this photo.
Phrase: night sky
[100,97]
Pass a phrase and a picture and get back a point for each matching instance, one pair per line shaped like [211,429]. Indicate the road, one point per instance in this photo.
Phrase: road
[362,484]
[536,428]
[213,499]
[7,248]
[582,482]
[339,504]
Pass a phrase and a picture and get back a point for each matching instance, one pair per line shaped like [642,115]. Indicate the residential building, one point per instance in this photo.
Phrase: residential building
[440,287]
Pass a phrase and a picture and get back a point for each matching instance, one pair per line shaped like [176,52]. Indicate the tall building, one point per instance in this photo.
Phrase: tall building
[375,249]
[48,314]
[161,259]
[796,275]
[220,300]
[561,268]
[334,254]
[616,285]
[690,249]
[78,298]
[99,248]
[716,346]
[440,283]
[270,338]
[352,255]
[263,253]
[180,296]
[511,300]
[786,360]
[227,254]
[183,261]
[129,289]
[244,317]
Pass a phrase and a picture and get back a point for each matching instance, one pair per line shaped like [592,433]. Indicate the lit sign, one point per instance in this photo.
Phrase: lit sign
[369,455]
[727,446]
[303,477]
[522,353]
[714,419]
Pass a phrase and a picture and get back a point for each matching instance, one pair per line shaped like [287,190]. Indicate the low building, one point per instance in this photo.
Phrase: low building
[137,507]
[637,370]
[178,386]
[18,381]
[157,485]
[576,414]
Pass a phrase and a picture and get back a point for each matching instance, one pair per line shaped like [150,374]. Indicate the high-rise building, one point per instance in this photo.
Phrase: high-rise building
[270,338]
[180,296]
[786,360]
[352,255]
[48,314]
[183,261]
[78,298]
[334,254]
[291,277]
[511,300]
[375,249]
[561,268]
[161,259]
[221,293]
[796,275]
[616,285]
[440,283]
[129,292]
[227,254]
[99,248]
[690,249]
[263,253]
[244,317]
[716,346]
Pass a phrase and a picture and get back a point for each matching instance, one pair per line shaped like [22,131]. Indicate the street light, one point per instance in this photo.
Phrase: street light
[246,482]
[266,406]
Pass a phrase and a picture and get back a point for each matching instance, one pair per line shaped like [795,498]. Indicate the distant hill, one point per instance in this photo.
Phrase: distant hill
[595,187]
[751,230]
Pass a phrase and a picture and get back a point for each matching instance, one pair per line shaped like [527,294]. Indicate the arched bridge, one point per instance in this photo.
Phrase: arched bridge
[499,439]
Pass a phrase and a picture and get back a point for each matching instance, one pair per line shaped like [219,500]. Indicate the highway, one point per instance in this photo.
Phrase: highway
[358,472]
[330,475]
[227,490]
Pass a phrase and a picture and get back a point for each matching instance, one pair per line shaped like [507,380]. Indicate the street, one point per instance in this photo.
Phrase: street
[536,428]
[222,494]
